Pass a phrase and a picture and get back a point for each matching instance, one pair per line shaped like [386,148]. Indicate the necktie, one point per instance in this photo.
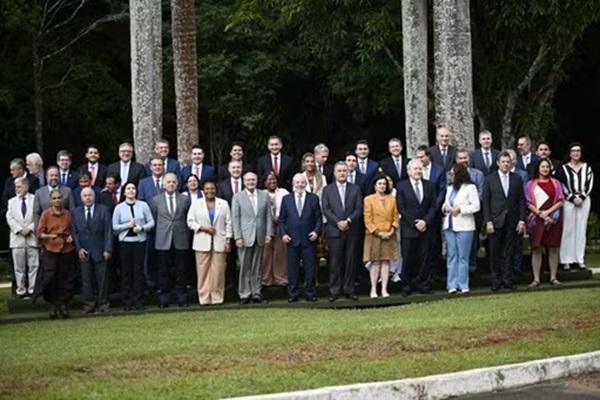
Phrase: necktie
[171,205]
[197,173]
[114,199]
[487,159]
[275,166]
[418,192]
[236,186]
[505,184]
[363,167]
[343,195]
[64,179]
[299,204]
[398,167]
[444,155]
[253,201]
[93,173]
[88,215]
[23,206]
[158,185]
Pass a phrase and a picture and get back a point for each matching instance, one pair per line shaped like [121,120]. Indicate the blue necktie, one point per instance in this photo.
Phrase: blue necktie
[398,167]
[505,184]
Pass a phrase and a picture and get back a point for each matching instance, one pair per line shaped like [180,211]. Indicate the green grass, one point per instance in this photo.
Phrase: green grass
[226,353]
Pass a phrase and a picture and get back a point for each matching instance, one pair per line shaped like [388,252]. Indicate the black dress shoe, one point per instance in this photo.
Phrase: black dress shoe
[352,297]
[333,298]
[64,311]
[52,313]
[312,299]
[511,286]
[245,301]
[183,305]
[260,300]
[292,299]
[163,306]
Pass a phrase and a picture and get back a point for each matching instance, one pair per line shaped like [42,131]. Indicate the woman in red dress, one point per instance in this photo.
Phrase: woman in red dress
[544,196]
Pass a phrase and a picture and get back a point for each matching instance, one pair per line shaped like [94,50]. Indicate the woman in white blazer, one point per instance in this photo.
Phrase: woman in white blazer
[210,220]
[462,202]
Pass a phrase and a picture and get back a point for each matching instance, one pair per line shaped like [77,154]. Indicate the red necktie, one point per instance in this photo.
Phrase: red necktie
[114,199]
[236,186]
[275,166]
[93,172]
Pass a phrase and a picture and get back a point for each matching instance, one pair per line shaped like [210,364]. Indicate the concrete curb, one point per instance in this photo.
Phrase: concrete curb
[482,380]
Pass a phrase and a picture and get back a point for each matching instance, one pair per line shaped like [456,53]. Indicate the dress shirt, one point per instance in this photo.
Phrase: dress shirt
[239,185]
[124,171]
[253,200]
[300,196]
[352,177]
[342,191]
[173,202]
[363,165]
[505,181]
[417,186]
[197,170]
[526,159]
[426,172]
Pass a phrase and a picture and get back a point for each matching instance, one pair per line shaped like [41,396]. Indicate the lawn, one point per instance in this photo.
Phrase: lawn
[224,353]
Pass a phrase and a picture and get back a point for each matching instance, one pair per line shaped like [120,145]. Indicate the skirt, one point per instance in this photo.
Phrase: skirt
[378,249]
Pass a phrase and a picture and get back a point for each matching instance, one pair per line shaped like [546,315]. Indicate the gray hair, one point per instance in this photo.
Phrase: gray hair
[17,162]
[340,163]
[22,181]
[320,148]
[413,161]
[87,189]
[35,158]
[173,175]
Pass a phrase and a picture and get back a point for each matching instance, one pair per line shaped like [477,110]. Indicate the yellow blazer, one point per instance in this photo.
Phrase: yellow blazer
[379,215]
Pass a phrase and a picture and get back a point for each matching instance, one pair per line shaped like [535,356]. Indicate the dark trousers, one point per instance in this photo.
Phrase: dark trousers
[94,283]
[342,264]
[231,273]
[151,261]
[57,279]
[415,256]
[435,244]
[309,261]
[475,245]
[132,273]
[502,245]
[172,273]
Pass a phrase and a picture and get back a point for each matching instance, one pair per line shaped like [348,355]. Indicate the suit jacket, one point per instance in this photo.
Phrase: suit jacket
[523,175]
[207,172]
[478,178]
[225,191]
[410,209]
[16,222]
[136,172]
[106,199]
[503,211]
[328,172]
[173,167]
[532,159]
[388,165]
[198,216]
[476,161]
[297,226]
[380,216]
[334,212]
[224,172]
[171,229]
[147,189]
[467,199]
[372,167]
[439,179]
[72,178]
[41,200]
[9,189]
[100,174]
[96,236]
[436,156]
[77,195]
[286,170]
[360,180]
[251,228]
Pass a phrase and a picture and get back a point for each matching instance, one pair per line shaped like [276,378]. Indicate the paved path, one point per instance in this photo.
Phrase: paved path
[585,387]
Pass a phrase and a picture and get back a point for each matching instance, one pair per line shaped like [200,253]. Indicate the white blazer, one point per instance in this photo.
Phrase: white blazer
[468,201]
[198,216]
[16,222]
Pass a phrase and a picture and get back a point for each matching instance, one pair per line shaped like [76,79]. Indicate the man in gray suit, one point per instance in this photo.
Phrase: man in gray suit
[252,229]
[172,241]
[342,206]
[41,200]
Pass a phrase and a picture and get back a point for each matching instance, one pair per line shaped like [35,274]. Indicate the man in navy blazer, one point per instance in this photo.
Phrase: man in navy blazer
[91,227]
[343,230]
[395,165]
[197,167]
[355,177]
[67,176]
[171,165]
[484,159]
[282,165]
[153,184]
[85,180]
[526,157]
[417,205]
[366,166]
[443,153]
[300,223]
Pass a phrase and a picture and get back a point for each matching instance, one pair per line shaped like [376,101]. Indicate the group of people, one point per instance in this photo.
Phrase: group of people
[163,225]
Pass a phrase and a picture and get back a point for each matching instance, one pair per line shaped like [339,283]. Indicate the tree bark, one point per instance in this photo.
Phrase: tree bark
[38,100]
[414,44]
[453,69]
[146,75]
[183,23]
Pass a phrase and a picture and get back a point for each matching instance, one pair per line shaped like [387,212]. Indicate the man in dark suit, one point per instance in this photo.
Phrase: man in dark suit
[282,165]
[91,228]
[525,157]
[236,153]
[484,159]
[85,180]
[231,186]
[354,176]
[394,166]
[97,171]
[518,249]
[109,196]
[67,176]
[504,218]
[171,165]
[543,152]
[197,167]
[443,153]
[300,223]
[127,169]
[366,166]
[321,153]
[152,185]
[172,241]
[417,205]
[342,207]
[17,170]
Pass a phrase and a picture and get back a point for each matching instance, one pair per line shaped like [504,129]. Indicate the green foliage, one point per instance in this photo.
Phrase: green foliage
[593,227]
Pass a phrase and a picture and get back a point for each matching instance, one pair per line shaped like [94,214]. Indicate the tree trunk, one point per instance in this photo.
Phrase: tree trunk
[146,75]
[414,44]
[38,101]
[453,69]
[183,23]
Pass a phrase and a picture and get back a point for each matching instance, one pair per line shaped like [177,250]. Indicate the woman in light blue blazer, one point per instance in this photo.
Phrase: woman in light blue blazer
[462,202]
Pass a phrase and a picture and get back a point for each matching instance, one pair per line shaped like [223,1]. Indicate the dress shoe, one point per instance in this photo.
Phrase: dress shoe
[260,300]
[352,297]
[64,311]
[312,299]
[161,306]
[245,301]
[510,286]
[333,298]
[406,290]
[52,313]
[183,305]
[425,290]
[292,299]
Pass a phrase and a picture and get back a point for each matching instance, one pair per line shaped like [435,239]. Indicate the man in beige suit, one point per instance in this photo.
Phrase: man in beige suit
[23,243]
[252,228]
